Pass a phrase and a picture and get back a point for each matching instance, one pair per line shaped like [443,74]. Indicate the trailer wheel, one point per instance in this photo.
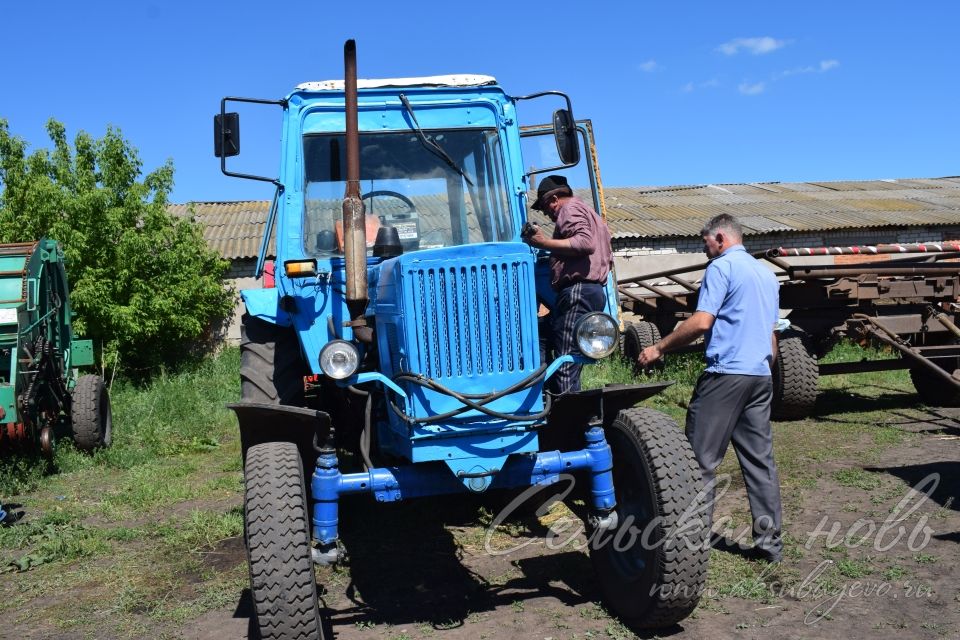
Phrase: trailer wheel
[271,367]
[637,336]
[795,378]
[934,390]
[278,543]
[91,419]
[653,578]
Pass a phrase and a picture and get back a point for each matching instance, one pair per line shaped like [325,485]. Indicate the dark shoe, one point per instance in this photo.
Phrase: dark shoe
[764,555]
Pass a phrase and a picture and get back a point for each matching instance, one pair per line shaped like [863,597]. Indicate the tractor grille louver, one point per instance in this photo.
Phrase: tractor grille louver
[468,319]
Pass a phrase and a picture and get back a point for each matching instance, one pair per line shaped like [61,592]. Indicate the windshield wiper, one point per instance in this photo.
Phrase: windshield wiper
[432,144]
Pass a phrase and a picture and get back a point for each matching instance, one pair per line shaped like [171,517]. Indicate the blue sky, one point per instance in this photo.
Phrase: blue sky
[679,92]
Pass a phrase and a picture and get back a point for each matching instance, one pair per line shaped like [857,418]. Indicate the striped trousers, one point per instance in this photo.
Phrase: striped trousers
[572,303]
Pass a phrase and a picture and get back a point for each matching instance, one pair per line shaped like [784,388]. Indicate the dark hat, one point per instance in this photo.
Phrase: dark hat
[548,184]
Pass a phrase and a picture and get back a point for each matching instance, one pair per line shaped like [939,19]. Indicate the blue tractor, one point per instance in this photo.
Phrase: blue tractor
[402,333]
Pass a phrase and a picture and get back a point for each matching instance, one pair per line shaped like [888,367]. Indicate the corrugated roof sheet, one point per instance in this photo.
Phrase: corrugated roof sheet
[784,207]
[235,228]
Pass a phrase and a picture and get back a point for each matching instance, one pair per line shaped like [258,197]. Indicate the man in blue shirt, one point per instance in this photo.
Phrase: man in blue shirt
[737,309]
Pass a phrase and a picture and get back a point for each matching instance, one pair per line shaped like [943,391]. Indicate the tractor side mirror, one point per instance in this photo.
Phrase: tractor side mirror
[565,131]
[226,135]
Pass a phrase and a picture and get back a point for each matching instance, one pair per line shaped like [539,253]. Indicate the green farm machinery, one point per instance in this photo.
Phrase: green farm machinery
[42,396]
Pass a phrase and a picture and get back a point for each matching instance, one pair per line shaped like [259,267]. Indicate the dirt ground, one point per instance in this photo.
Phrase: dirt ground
[865,556]
[426,575]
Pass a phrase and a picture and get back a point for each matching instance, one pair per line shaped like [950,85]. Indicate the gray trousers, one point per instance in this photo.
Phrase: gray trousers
[729,407]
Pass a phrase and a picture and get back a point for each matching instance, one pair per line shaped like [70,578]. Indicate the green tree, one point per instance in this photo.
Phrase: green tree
[144,284]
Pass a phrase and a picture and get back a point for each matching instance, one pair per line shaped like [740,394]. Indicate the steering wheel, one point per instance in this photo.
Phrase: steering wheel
[392,194]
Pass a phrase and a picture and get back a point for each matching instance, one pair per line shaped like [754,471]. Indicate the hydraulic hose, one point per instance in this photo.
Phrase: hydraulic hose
[468,399]
[365,433]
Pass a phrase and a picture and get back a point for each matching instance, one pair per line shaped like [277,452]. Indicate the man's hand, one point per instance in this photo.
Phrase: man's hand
[534,236]
[686,333]
[650,355]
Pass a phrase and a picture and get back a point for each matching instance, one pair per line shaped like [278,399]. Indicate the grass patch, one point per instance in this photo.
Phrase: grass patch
[105,541]
[175,414]
[49,541]
[853,568]
[857,478]
[201,530]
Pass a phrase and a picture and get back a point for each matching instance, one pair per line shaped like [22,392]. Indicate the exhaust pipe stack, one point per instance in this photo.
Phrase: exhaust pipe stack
[354,228]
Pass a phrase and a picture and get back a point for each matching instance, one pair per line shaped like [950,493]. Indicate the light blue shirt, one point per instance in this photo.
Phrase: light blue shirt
[744,298]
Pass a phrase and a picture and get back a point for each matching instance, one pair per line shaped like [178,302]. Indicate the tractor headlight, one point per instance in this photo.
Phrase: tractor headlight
[597,335]
[339,359]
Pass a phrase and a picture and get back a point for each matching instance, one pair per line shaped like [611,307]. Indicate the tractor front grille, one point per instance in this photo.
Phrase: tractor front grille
[469,318]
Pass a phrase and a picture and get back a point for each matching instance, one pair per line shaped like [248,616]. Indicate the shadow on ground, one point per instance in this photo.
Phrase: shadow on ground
[423,563]
[851,400]
[832,404]
[405,563]
[943,488]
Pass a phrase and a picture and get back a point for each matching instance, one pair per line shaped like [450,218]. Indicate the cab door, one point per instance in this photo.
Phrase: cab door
[539,149]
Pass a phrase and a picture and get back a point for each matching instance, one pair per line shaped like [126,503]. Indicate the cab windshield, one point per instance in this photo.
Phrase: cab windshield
[432,201]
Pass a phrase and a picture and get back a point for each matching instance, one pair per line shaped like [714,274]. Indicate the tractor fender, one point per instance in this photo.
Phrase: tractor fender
[265,304]
[262,422]
[572,412]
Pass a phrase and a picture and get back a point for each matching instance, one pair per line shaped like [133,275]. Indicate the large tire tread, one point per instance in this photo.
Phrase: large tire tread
[271,366]
[90,414]
[637,336]
[795,379]
[673,475]
[282,581]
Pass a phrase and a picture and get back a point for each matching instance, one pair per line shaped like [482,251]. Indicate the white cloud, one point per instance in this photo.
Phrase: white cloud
[712,83]
[690,87]
[823,67]
[649,66]
[754,89]
[755,46]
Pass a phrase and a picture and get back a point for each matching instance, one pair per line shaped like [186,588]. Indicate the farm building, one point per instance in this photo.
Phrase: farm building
[659,228]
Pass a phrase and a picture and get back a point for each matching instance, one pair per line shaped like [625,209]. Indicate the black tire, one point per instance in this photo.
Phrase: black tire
[91,418]
[271,367]
[637,336]
[934,390]
[657,480]
[277,526]
[795,378]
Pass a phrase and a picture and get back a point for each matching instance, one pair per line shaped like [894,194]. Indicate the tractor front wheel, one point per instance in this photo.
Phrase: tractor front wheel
[277,524]
[653,566]
[90,416]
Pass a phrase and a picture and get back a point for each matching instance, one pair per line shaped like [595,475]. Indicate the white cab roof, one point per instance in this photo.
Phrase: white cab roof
[456,80]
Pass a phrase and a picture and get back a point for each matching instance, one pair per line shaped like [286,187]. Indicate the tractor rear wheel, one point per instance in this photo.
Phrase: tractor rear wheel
[637,336]
[271,367]
[795,377]
[276,519]
[653,567]
[91,418]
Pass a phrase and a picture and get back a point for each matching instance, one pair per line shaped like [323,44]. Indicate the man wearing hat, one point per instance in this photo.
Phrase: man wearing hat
[580,261]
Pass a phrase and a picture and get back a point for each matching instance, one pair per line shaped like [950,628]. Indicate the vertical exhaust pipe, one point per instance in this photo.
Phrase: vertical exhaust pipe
[354,228]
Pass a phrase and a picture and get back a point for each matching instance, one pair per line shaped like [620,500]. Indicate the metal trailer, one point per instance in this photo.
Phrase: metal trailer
[415,347]
[901,295]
